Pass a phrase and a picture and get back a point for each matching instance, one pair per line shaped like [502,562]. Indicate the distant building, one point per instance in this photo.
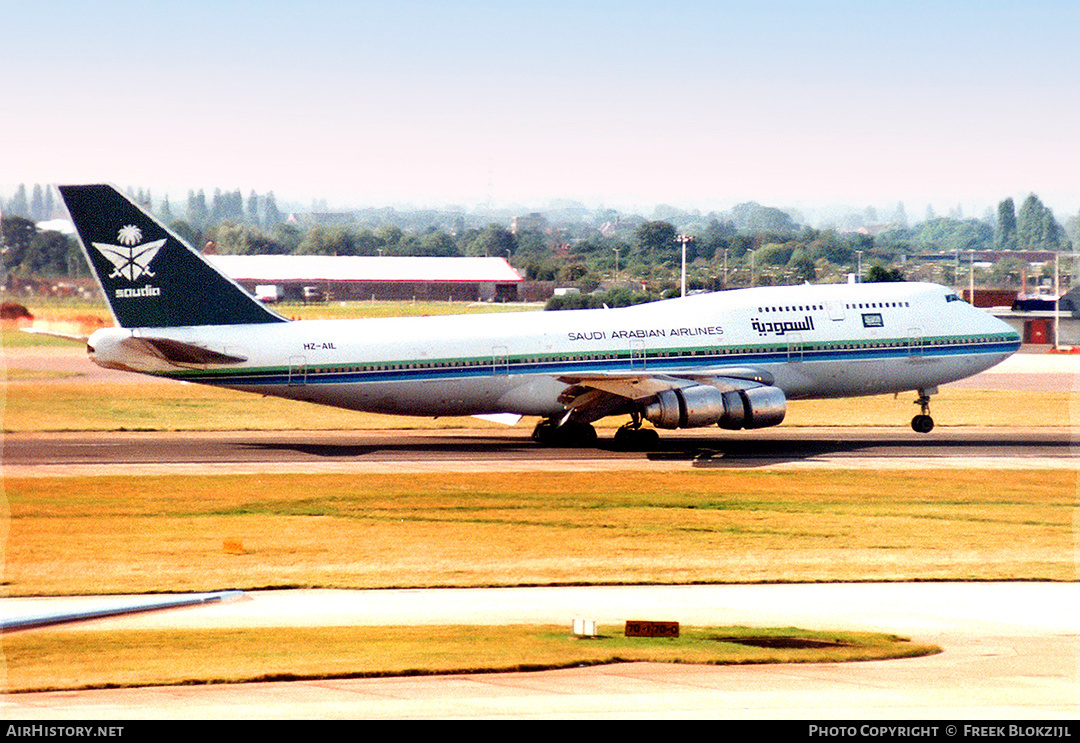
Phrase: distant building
[535,222]
[305,277]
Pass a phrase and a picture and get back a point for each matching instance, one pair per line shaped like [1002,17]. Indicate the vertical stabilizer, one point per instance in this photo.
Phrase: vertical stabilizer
[150,277]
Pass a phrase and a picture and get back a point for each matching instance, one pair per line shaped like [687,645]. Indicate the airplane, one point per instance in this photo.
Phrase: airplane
[730,359]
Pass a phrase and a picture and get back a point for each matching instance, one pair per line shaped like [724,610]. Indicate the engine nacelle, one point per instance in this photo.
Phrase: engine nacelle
[704,405]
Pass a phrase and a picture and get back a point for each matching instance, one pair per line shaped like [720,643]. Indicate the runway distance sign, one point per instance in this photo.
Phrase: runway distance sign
[640,628]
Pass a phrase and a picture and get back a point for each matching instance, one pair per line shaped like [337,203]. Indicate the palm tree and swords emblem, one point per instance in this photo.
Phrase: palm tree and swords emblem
[130,259]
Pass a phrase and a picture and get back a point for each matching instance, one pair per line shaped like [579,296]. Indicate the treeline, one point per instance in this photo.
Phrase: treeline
[751,244]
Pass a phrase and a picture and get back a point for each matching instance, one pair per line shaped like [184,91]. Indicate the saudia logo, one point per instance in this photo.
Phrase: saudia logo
[131,260]
[782,327]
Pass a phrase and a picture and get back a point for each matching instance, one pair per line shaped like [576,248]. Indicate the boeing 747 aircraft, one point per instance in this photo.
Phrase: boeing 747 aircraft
[731,359]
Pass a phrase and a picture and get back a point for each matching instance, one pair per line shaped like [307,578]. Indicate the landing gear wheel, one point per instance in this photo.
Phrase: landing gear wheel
[544,433]
[922,424]
[629,438]
[569,434]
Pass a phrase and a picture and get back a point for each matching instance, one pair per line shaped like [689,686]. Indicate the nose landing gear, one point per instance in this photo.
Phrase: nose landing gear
[923,423]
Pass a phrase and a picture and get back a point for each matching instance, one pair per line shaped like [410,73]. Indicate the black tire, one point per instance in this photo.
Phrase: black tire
[636,439]
[922,424]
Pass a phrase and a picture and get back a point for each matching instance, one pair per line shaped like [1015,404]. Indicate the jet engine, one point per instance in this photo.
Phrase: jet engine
[704,405]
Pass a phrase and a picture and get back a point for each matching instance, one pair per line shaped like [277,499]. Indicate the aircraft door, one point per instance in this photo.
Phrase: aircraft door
[500,361]
[637,355]
[297,371]
[915,342]
[836,310]
[794,346]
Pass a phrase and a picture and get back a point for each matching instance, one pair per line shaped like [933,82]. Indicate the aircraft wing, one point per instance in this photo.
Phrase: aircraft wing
[593,396]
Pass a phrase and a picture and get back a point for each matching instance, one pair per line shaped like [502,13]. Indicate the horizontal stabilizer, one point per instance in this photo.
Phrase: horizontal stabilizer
[177,352]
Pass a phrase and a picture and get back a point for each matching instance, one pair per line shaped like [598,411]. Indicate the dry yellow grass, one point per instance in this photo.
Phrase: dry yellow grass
[69,658]
[135,534]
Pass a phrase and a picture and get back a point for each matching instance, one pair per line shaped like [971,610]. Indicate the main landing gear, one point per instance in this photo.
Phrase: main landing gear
[632,437]
[575,434]
[923,423]
[570,434]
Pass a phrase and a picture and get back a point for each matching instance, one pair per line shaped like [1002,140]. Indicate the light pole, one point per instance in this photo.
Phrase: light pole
[858,276]
[971,277]
[725,268]
[1057,295]
[1057,301]
[684,239]
[616,264]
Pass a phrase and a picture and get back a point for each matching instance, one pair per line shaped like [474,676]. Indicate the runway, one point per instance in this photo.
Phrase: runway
[1012,651]
[62,454]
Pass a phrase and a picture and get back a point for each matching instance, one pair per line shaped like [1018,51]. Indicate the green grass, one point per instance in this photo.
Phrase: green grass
[75,658]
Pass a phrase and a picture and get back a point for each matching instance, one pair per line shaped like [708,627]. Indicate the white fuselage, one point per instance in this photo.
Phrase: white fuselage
[816,341]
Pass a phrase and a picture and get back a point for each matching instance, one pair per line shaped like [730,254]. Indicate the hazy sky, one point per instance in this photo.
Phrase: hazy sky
[698,104]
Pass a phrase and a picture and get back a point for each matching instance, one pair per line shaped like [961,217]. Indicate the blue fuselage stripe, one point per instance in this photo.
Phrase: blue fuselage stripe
[338,373]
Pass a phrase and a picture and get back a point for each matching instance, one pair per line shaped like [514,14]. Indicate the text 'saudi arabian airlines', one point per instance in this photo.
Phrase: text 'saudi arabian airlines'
[731,359]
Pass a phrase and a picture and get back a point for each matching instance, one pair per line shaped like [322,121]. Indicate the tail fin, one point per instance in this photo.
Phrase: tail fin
[150,277]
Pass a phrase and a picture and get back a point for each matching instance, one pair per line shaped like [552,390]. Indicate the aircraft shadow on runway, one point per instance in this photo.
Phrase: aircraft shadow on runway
[741,451]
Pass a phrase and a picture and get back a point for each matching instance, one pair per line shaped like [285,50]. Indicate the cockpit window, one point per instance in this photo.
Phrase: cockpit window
[952,298]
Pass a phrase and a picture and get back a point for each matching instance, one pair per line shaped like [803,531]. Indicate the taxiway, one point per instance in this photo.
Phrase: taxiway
[1011,651]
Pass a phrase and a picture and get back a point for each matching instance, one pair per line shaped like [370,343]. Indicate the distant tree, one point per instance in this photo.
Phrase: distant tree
[1036,227]
[288,235]
[774,254]
[953,235]
[165,213]
[217,207]
[438,243]
[572,272]
[878,273]
[37,204]
[234,206]
[50,204]
[321,240]
[197,212]
[753,217]
[1005,230]
[654,242]
[16,236]
[19,206]
[49,253]
[271,216]
[253,213]
[802,265]
[891,244]
[1072,229]
[899,217]
[187,232]
[832,247]
[715,239]
[493,241]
